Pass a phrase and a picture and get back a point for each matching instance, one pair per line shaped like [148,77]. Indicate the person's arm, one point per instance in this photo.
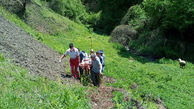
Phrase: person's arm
[78,56]
[78,59]
[100,67]
[63,56]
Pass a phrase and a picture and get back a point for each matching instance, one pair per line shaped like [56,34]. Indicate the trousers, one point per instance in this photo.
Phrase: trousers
[74,64]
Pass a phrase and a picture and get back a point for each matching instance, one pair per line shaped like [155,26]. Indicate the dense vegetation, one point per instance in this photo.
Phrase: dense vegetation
[165,28]
[156,79]
[169,21]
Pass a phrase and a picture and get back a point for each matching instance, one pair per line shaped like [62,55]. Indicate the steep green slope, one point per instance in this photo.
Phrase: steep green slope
[19,89]
[156,79]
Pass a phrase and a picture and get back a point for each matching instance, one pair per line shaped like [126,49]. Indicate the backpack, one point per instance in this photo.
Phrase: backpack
[82,55]
[102,57]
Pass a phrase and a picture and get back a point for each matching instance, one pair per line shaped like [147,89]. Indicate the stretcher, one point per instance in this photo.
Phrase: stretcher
[85,65]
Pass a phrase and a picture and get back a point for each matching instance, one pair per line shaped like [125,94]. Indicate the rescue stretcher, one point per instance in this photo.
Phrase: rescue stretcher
[85,65]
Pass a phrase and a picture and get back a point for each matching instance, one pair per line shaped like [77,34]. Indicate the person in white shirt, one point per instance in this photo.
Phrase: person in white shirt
[74,60]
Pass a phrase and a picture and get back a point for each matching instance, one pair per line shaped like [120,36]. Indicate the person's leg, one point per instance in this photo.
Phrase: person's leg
[77,69]
[80,70]
[72,68]
[98,80]
[93,78]
[72,71]
[88,70]
[102,68]
[76,62]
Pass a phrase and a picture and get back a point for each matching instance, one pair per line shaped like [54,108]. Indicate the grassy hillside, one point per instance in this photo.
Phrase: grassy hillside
[19,89]
[155,79]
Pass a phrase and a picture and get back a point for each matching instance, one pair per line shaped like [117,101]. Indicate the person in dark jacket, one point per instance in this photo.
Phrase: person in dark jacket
[101,56]
[82,56]
[96,70]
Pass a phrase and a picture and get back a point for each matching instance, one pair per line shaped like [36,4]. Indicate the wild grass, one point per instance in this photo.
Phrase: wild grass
[156,79]
[19,89]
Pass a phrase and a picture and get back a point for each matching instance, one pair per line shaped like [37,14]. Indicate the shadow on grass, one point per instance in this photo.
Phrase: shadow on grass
[66,76]
[131,55]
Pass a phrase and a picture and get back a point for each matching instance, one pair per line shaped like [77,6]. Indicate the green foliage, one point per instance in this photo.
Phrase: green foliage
[14,6]
[93,18]
[155,9]
[172,19]
[112,12]
[19,89]
[123,34]
[135,17]
[72,9]
[2,58]
[169,15]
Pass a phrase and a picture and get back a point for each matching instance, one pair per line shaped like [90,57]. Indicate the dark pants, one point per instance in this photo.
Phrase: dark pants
[81,70]
[103,68]
[96,79]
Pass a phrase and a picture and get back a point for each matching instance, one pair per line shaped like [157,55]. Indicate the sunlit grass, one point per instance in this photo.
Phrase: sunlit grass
[19,89]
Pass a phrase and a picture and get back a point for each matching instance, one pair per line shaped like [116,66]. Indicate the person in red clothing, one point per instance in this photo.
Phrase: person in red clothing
[74,59]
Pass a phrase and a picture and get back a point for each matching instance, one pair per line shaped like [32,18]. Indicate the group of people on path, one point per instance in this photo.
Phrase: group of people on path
[80,62]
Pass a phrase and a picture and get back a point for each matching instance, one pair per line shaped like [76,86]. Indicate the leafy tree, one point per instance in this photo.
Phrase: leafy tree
[112,12]
[72,9]
[174,17]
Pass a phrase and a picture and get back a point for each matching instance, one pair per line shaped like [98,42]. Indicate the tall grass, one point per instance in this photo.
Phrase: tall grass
[19,89]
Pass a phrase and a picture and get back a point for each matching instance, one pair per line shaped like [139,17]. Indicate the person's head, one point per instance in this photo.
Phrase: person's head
[78,49]
[71,45]
[101,52]
[93,57]
[98,53]
[92,51]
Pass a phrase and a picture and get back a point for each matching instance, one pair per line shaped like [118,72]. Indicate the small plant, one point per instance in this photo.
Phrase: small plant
[2,58]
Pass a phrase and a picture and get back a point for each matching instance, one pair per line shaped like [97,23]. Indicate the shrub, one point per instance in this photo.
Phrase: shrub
[14,6]
[174,17]
[135,17]
[2,58]
[123,34]
[73,9]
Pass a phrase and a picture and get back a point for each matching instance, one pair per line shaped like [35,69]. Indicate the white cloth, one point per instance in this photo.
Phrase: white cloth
[73,53]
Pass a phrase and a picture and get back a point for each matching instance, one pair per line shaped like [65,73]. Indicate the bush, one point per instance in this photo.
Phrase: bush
[135,17]
[73,9]
[14,6]
[173,17]
[2,58]
[112,12]
[123,34]
[93,18]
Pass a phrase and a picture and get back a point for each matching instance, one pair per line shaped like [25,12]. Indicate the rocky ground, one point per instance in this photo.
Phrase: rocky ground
[28,52]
